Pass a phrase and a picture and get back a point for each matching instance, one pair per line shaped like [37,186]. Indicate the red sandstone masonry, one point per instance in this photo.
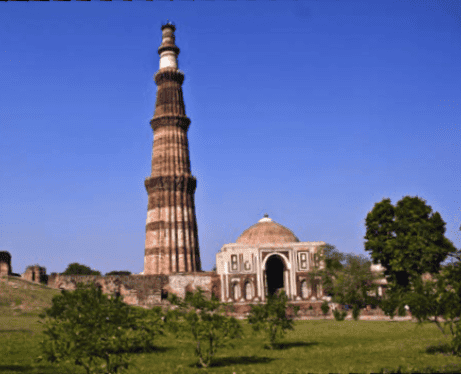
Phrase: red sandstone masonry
[171,229]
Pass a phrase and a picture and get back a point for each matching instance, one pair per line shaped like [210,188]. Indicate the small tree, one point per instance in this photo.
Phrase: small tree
[325,308]
[78,269]
[354,283]
[355,312]
[92,330]
[272,317]
[205,319]
[339,315]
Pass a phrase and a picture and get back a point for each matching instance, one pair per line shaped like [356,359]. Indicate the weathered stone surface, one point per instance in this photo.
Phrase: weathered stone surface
[171,244]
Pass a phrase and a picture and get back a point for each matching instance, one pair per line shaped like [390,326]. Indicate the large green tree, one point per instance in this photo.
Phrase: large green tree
[408,239]
[78,269]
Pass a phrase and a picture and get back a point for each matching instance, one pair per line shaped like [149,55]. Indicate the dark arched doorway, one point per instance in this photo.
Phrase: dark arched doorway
[275,269]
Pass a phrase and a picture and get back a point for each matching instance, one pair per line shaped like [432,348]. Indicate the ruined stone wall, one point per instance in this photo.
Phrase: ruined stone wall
[5,263]
[35,274]
[140,290]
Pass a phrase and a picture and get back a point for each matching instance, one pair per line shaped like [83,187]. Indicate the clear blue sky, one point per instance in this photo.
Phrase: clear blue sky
[310,111]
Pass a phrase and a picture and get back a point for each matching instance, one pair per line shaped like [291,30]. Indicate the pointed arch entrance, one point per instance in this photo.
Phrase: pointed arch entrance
[275,275]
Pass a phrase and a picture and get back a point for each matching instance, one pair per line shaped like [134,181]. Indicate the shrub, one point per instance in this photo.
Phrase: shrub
[272,317]
[339,316]
[94,331]
[205,319]
[355,312]
[325,308]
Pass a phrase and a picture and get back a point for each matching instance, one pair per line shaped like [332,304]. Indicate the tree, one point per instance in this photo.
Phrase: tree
[115,272]
[347,278]
[95,331]
[325,308]
[272,317]
[333,261]
[407,240]
[206,320]
[354,283]
[77,269]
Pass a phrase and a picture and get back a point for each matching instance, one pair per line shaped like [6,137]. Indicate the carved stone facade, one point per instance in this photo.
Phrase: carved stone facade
[266,258]
[171,229]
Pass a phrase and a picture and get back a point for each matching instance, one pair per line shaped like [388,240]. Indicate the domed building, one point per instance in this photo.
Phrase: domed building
[268,257]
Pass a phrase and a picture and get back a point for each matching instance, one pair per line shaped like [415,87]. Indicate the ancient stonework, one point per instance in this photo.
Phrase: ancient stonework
[35,273]
[5,263]
[266,258]
[171,229]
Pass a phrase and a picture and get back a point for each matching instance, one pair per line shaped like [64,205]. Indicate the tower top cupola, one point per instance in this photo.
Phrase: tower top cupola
[168,51]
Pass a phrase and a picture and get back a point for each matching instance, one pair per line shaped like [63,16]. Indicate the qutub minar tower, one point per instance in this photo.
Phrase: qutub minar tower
[171,226]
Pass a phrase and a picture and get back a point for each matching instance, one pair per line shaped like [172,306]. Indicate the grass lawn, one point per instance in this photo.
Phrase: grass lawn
[314,346]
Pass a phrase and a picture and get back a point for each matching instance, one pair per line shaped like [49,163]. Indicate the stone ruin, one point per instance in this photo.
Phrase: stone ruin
[5,263]
[36,273]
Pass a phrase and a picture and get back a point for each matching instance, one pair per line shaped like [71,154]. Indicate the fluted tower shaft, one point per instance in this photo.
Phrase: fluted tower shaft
[171,226]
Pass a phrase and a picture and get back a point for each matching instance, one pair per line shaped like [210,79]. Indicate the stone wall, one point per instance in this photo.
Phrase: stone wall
[5,263]
[142,290]
[35,274]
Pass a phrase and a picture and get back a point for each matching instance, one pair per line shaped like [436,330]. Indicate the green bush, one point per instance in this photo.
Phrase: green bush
[206,320]
[95,331]
[325,308]
[339,316]
[272,317]
[355,312]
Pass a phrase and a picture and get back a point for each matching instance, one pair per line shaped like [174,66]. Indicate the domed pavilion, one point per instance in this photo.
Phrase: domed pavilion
[268,257]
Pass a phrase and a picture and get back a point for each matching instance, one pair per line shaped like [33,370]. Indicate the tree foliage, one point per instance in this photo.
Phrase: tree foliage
[272,317]
[408,239]
[78,269]
[90,329]
[206,320]
[325,308]
[116,272]
[354,282]
[347,278]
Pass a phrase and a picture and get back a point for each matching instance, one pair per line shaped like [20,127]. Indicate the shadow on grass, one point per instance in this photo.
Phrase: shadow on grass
[16,330]
[281,346]
[443,348]
[28,369]
[140,350]
[242,360]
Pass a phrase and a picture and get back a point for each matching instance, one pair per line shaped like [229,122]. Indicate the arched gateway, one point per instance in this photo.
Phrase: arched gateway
[274,275]
[267,257]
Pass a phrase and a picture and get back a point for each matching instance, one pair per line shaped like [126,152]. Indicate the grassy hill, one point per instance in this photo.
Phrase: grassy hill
[18,296]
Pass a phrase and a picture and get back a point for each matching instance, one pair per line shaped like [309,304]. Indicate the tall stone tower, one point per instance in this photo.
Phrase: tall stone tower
[171,227]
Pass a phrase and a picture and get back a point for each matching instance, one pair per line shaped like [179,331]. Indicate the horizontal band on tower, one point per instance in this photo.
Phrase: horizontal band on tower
[170,141]
[171,183]
[169,74]
[155,201]
[179,121]
[152,226]
[163,250]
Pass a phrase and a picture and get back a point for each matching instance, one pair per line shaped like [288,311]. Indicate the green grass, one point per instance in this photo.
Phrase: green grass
[314,346]
[320,346]
[18,296]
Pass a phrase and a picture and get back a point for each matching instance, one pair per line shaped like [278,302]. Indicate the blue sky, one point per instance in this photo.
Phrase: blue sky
[310,111]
